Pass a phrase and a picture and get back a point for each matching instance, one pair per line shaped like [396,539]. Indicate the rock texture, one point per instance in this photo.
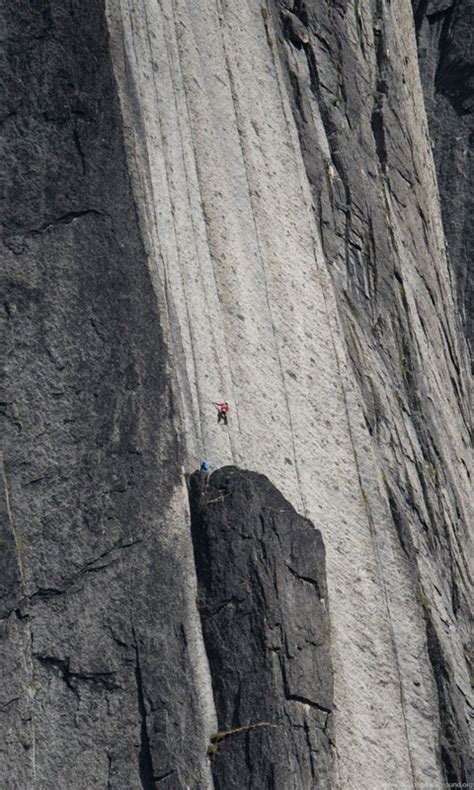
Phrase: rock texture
[375,247]
[205,202]
[444,33]
[284,179]
[97,572]
[263,604]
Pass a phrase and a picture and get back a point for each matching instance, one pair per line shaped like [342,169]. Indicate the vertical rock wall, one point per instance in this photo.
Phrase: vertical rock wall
[98,627]
[283,175]
[206,201]
[377,197]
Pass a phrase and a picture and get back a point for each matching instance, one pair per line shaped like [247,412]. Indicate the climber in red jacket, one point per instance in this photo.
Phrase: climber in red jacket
[222,409]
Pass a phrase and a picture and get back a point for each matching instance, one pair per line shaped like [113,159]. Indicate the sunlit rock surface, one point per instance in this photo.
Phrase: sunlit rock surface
[206,202]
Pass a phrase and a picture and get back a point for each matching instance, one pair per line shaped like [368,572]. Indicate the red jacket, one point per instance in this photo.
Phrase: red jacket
[223,407]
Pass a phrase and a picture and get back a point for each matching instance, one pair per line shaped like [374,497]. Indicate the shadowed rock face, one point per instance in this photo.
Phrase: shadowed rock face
[444,34]
[95,641]
[262,599]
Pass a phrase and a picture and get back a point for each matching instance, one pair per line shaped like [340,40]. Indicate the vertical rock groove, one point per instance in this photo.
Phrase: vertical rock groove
[145,758]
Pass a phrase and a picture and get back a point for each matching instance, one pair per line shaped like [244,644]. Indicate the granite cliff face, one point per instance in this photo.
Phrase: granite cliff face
[444,33]
[206,202]
[90,596]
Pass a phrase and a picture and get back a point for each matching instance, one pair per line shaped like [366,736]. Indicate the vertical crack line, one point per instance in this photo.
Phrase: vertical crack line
[357,465]
[211,258]
[77,143]
[146,185]
[373,535]
[377,555]
[314,81]
[185,166]
[262,264]
[198,427]
[145,762]
[212,262]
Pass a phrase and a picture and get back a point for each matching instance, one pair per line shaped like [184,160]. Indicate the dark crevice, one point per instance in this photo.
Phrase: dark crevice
[306,701]
[402,529]
[46,592]
[377,119]
[144,759]
[309,745]
[378,130]
[419,14]
[299,10]
[64,219]
[455,597]
[452,750]
[77,143]
[297,95]
[305,579]
[161,778]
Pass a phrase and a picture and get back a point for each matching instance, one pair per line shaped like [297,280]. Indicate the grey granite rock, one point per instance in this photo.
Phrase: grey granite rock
[95,633]
[264,611]
[446,55]
[359,235]
[205,203]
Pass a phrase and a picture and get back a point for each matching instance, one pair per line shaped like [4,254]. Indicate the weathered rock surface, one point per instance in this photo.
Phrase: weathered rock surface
[97,574]
[204,202]
[375,247]
[264,612]
[284,179]
[446,56]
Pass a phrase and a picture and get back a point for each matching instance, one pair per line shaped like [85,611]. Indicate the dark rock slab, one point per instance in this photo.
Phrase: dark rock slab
[263,607]
[95,649]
